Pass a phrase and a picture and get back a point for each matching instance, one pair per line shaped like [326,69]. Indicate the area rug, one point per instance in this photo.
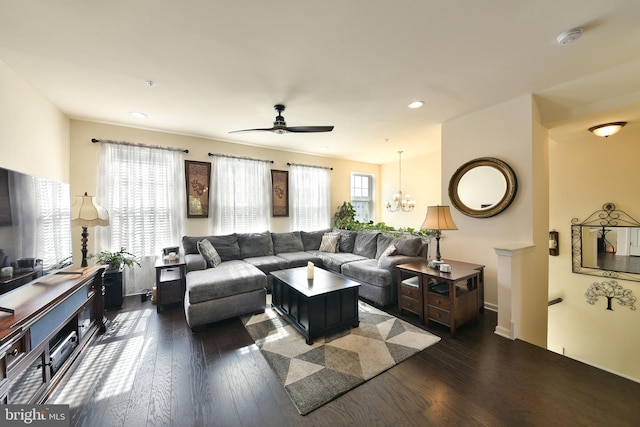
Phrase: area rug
[315,374]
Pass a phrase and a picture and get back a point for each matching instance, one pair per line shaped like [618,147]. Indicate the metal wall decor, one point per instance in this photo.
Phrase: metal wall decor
[610,290]
[593,251]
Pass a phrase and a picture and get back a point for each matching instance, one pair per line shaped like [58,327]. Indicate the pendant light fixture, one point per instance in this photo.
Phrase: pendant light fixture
[400,202]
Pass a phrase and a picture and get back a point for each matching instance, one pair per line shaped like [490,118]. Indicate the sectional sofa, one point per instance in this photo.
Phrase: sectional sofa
[235,279]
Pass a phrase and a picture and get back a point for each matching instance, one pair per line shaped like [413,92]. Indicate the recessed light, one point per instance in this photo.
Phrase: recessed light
[138,115]
[151,83]
[416,104]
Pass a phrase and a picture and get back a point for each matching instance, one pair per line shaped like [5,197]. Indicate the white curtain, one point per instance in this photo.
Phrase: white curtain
[143,189]
[240,196]
[310,197]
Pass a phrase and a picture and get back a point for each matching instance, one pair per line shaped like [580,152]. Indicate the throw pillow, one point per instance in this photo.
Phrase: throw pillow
[209,253]
[391,250]
[329,242]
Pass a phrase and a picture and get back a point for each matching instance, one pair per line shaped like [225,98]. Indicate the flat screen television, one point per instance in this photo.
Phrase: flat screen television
[35,228]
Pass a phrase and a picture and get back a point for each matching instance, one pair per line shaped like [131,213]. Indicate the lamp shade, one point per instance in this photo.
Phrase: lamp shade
[438,218]
[87,213]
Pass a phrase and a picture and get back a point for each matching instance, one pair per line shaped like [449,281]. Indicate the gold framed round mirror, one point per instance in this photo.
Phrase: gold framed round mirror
[483,187]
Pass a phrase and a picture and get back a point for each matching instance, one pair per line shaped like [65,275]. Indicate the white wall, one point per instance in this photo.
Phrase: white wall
[34,135]
[585,174]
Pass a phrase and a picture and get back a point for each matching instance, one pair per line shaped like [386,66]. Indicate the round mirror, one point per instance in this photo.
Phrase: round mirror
[483,187]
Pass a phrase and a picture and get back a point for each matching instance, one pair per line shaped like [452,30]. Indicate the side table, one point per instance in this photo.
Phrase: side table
[171,282]
[453,301]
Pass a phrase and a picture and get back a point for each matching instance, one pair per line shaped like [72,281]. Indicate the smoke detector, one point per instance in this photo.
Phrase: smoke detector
[569,36]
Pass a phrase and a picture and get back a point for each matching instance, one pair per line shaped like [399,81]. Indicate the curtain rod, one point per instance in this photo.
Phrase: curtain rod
[135,144]
[229,156]
[309,166]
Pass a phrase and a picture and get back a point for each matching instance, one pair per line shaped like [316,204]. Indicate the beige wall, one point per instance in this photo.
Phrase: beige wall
[84,155]
[420,178]
[34,135]
[585,174]
[509,131]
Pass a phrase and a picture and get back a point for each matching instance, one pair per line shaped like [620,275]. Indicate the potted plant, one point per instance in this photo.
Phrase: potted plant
[114,277]
[116,261]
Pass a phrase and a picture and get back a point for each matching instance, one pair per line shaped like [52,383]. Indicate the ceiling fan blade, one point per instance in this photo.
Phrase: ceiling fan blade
[302,129]
[253,130]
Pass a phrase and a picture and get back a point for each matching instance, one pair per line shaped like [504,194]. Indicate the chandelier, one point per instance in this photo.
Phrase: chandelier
[400,202]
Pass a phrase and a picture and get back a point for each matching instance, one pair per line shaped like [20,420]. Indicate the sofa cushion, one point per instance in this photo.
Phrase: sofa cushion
[367,271]
[300,259]
[287,242]
[226,246]
[311,239]
[209,253]
[382,244]
[255,244]
[229,278]
[330,242]
[267,264]
[334,261]
[408,246]
[405,246]
[366,244]
[347,240]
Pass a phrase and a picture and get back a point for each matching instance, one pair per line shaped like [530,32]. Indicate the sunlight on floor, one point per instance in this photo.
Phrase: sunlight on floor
[109,365]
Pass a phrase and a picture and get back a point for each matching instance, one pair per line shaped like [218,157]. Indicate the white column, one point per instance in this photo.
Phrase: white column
[510,281]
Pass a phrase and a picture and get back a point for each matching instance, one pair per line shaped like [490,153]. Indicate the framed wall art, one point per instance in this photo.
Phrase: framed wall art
[197,177]
[280,193]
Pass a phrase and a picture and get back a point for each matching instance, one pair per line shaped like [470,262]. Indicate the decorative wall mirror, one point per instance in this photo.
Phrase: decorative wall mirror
[483,187]
[606,244]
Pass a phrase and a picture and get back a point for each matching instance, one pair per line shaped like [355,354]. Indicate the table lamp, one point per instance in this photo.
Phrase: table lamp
[87,213]
[438,218]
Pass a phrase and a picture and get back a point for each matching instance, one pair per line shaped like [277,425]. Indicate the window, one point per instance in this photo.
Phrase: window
[241,195]
[362,190]
[310,197]
[143,190]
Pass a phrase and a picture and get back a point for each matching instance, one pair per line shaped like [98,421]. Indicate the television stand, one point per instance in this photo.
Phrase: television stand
[52,321]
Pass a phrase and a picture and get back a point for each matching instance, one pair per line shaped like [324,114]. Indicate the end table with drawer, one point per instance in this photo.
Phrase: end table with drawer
[451,299]
[171,282]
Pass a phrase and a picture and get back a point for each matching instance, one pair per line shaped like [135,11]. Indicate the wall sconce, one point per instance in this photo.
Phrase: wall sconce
[553,243]
[607,129]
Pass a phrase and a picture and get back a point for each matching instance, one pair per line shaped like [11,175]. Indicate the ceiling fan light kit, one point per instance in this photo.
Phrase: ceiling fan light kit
[280,125]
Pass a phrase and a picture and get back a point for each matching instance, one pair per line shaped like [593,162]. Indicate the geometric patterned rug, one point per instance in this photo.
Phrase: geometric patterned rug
[315,374]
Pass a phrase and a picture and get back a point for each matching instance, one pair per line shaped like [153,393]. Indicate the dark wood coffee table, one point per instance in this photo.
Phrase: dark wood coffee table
[315,307]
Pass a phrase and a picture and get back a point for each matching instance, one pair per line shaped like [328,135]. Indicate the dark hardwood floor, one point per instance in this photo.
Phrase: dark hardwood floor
[149,369]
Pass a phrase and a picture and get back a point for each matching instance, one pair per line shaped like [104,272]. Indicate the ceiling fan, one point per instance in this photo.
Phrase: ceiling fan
[280,126]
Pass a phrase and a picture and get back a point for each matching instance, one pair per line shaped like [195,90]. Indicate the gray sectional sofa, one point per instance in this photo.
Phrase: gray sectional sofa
[237,285]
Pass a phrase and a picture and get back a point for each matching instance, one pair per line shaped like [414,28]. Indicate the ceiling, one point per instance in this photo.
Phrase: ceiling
[221,65]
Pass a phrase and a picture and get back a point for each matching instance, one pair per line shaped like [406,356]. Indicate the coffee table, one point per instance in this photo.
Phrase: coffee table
[315,307]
